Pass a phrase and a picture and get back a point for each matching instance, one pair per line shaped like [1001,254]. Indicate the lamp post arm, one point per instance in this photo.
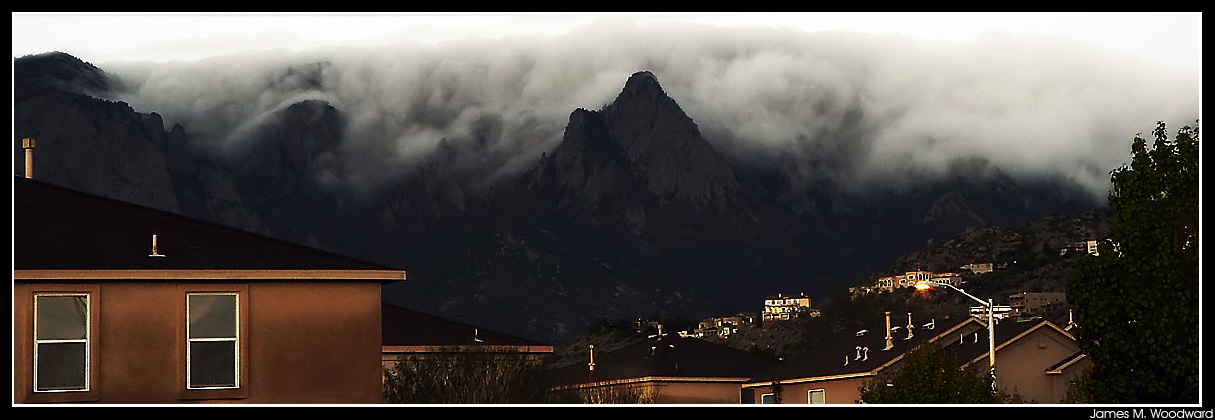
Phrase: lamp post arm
[991,328]
[981,301]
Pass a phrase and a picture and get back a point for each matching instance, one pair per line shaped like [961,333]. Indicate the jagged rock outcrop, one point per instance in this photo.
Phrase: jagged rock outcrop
[642,139]
[86,142]
[89,143]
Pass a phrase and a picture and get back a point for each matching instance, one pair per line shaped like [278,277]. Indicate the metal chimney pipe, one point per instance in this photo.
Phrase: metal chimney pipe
[889,343]
[28,145]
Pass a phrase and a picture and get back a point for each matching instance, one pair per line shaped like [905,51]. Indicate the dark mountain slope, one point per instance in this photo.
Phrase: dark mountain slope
[633,214]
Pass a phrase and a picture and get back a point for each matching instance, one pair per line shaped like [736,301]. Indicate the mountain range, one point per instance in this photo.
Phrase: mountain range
[633,214]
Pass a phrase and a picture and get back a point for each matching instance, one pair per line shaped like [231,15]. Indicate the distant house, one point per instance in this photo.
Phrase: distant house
[833,372]
[856,291]
[978,268]
[115,303]
[909,279]
[782,308]
[1081,247]
[1028,304]
[1035,360]
[412,334]
[722,327]
[665,370]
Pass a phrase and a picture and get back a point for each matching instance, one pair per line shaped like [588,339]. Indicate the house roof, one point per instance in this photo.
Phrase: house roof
[56,228]
[853,353]
[793,296]
[407,327]
[967,350]
[1067,362]
[668,357]
[963,338]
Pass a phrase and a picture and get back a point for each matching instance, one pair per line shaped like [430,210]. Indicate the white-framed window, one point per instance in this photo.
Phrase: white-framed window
[213,341]
[767,399]
[816,396]
[61,342]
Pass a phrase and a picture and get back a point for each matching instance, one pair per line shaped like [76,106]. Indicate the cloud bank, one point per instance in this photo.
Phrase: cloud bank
[868,112]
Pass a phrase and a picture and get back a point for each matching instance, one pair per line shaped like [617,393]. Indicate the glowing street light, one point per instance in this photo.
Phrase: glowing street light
[991,324]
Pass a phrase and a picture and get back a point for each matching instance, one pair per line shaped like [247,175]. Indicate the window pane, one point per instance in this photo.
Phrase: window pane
[767,399]
[212,316]
[61,317]
[212,364]
[61,366]
[818,397]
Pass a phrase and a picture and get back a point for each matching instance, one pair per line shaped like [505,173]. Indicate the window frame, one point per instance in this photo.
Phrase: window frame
[88,323]
[94,348]
[241,389]
[810,393]
[235,339]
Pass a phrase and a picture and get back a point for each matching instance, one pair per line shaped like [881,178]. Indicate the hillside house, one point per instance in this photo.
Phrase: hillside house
[907,279]
[1030,304]
[1081,247]
[978,268]
[722,327]
[666,369]
[115,303]
[783,308]
[1036,361]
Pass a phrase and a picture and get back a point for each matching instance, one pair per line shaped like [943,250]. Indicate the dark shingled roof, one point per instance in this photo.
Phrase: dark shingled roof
[838,355]
[966,349]
[407,327]
[667,356]
[59,228]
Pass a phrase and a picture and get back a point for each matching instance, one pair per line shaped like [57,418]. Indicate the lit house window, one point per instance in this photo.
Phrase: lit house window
[61,342]
[213,344]
[817,396]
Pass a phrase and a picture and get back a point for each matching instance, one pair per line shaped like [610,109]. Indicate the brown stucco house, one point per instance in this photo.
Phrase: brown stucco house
[115,303]
[835,370]
[410,335]
[1034,360]
[665,369]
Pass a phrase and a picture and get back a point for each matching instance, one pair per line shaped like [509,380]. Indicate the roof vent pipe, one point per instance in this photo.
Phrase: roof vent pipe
[154,252]
[28,145]
[889,344]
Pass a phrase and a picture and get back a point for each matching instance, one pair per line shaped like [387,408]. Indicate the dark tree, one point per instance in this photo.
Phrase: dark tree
[929,376]
[471,377]
[1136,304]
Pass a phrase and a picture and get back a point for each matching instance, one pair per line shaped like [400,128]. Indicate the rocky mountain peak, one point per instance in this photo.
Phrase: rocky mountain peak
[641,83]
[57,70]
[643,135]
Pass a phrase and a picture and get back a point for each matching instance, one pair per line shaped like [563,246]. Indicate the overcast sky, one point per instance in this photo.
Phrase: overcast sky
[865,99]
[1169,37]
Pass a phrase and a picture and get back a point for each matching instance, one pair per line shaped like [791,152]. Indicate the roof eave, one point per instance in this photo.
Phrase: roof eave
[384,276]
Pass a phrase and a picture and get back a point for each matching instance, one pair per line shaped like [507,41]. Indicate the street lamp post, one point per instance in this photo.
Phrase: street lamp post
[991,324]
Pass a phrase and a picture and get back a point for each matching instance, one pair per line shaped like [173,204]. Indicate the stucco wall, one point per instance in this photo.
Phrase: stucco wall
[838,391]
[302,341]
[1026,361]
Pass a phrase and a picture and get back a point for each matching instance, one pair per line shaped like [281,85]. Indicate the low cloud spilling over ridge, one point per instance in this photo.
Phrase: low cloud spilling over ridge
[869,112]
